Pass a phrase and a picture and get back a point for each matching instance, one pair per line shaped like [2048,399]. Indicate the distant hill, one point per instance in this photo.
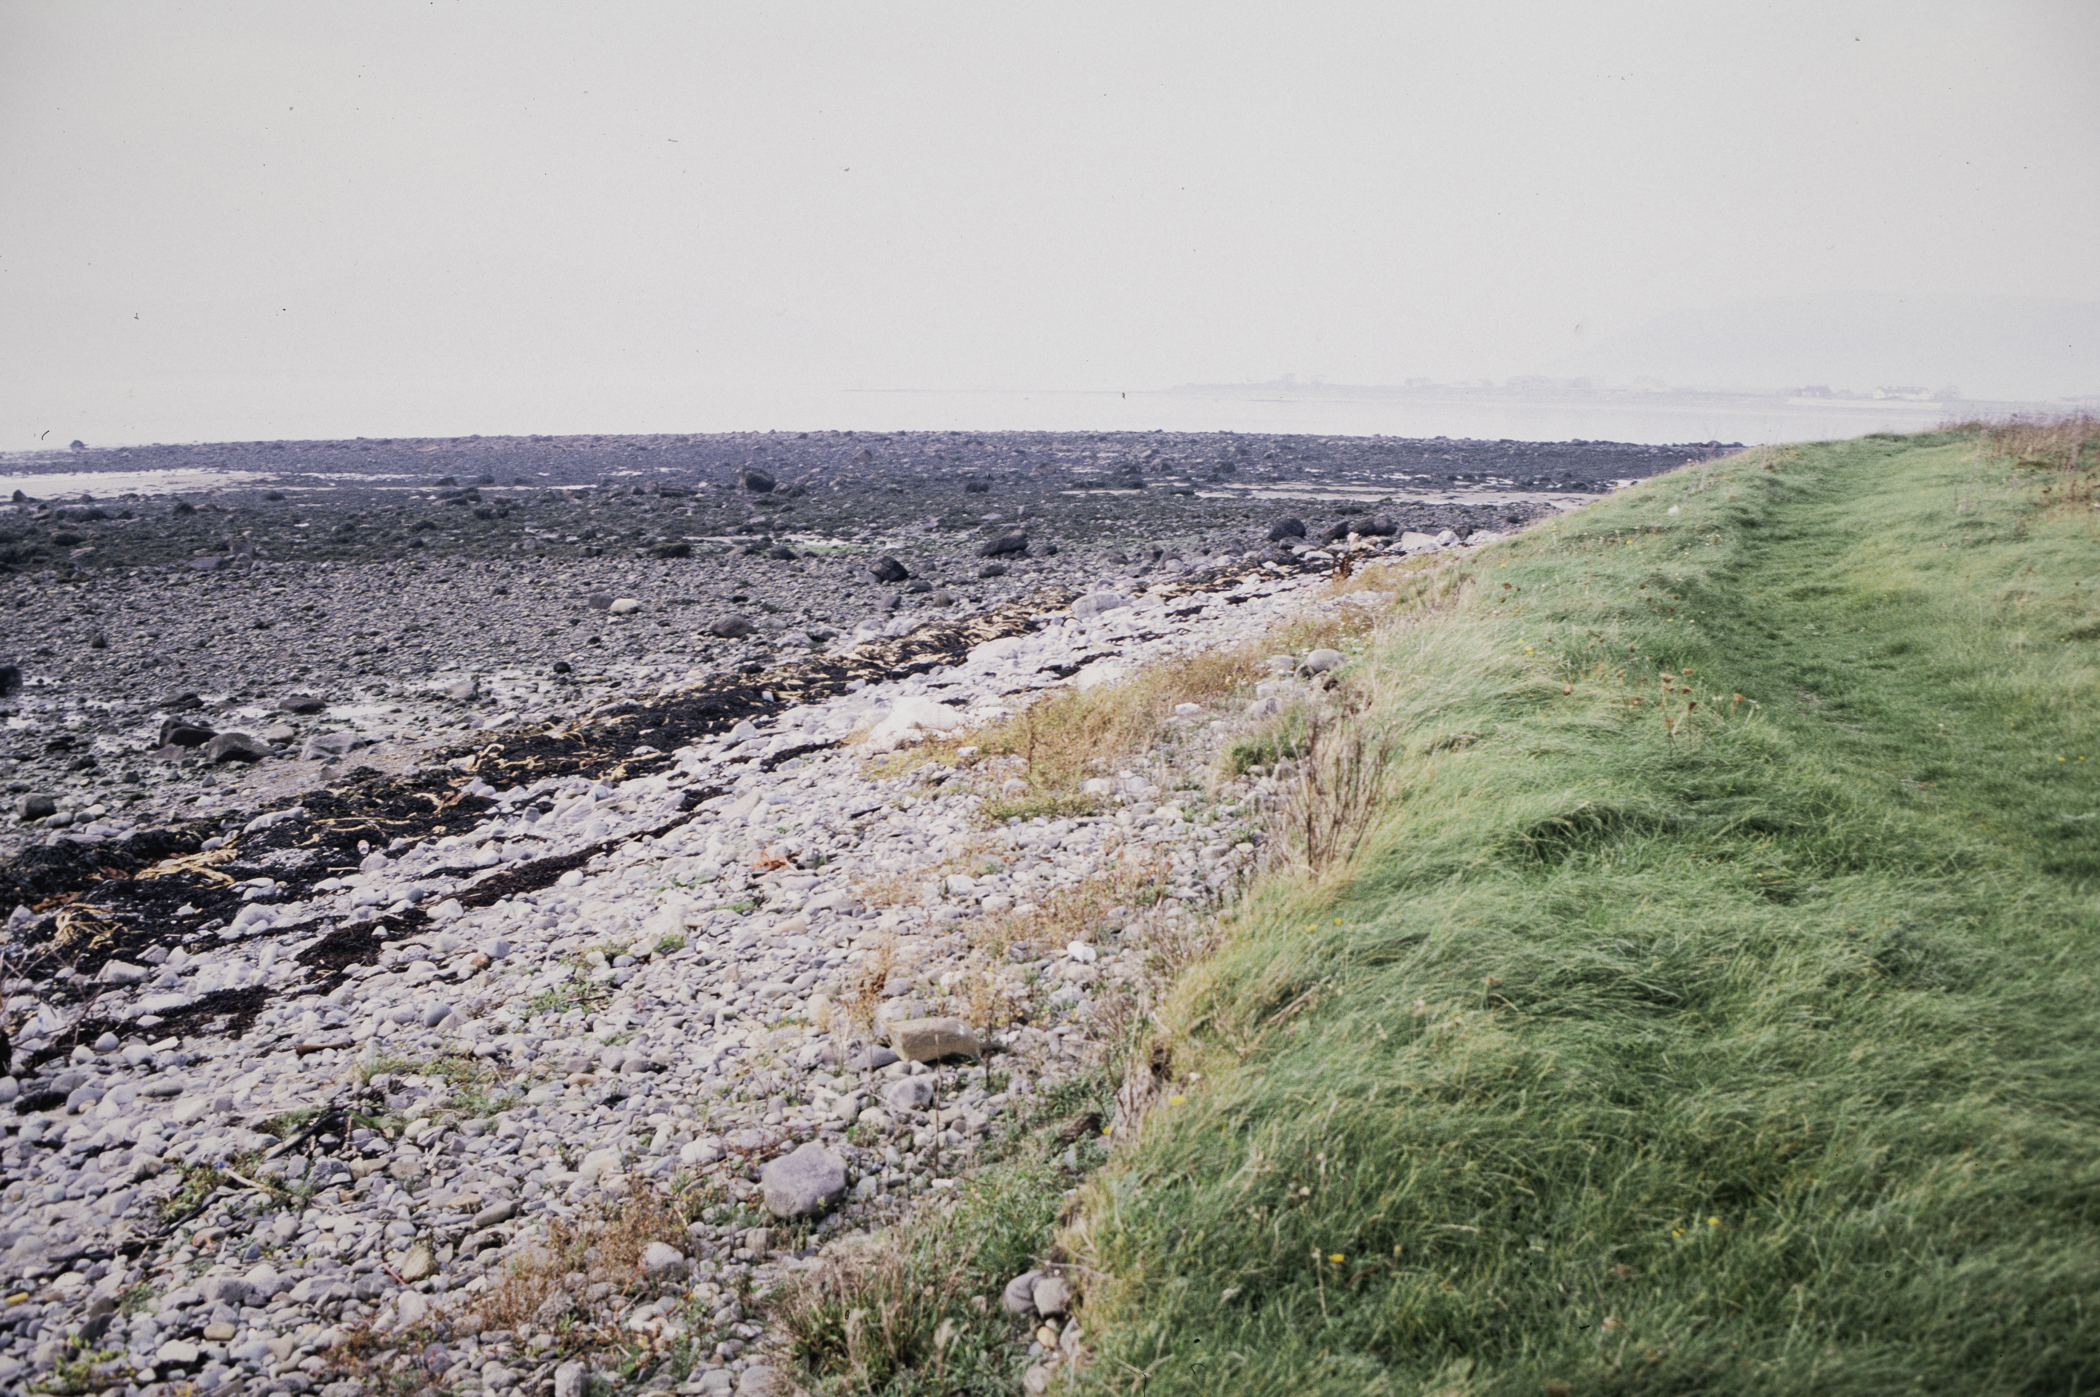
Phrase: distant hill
[1986,346]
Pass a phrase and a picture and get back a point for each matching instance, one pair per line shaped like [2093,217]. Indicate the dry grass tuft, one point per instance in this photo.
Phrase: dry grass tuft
[577,1255]
[897,889]
[1072,735]
[864,996]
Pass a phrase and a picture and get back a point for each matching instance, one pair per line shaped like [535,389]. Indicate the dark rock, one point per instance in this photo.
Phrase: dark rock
[236,747]
[302,703]
[181,732]
[888,569]
[780,552]
[992,570]
[755,480]
[10,679]
[1378,526]
[562,667]
[1286,528]
[35,807]
[977,487]
[99,641]
[599,601]
[731,627]
[680,549]
[177,703]
[1015,543]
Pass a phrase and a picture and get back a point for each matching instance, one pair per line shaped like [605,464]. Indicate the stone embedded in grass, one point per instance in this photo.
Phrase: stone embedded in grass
[1019,1295]
[803,1183]
[662,1259]
[1320,661]
[931,1039]
[1051,1296]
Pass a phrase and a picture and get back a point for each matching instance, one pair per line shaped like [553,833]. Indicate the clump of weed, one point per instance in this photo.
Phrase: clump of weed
[916,1310]
[604,1246]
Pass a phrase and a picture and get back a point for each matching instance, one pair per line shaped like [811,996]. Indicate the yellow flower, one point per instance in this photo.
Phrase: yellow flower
[1176,1100]
[1335,1257]
[1713,1222]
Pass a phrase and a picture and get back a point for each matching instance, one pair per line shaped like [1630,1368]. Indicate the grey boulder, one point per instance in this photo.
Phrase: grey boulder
[804,1183]
[1019,1296]
[931,1039]
[236,747]
[888,569]
[1097,602]
[731,627]
[908,1094]
[328,744]
[1015,544]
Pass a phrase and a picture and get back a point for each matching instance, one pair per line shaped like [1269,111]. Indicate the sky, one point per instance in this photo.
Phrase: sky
[243,221]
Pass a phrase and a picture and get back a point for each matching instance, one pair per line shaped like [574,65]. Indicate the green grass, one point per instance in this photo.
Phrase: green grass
[1655,1040]
[915,1310]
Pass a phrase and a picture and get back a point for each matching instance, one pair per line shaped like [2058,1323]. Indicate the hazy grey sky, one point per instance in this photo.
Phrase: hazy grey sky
[242,220]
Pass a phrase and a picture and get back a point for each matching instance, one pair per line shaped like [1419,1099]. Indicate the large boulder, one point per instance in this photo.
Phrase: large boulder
[185,732]
[930,1040]
[1094,603]
[731,627]
[1013,544]
[1286,528]
[888,569]
[804,1183]
[755,480]
[236,747]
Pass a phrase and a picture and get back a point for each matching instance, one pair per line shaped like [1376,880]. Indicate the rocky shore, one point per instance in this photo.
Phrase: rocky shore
[346,992]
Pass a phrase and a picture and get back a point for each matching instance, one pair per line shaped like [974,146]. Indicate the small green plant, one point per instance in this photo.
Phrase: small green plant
[80,1373]
[199,1182]
[674,942]
[286,1124]
[1281,741]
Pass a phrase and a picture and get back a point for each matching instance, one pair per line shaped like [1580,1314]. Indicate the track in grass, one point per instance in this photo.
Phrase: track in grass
[1711,1006]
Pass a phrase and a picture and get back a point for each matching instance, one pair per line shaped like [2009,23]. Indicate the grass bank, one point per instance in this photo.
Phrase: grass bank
[1708,1003]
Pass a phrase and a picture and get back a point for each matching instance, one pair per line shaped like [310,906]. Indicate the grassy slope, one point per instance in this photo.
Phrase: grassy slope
[1764,1056]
